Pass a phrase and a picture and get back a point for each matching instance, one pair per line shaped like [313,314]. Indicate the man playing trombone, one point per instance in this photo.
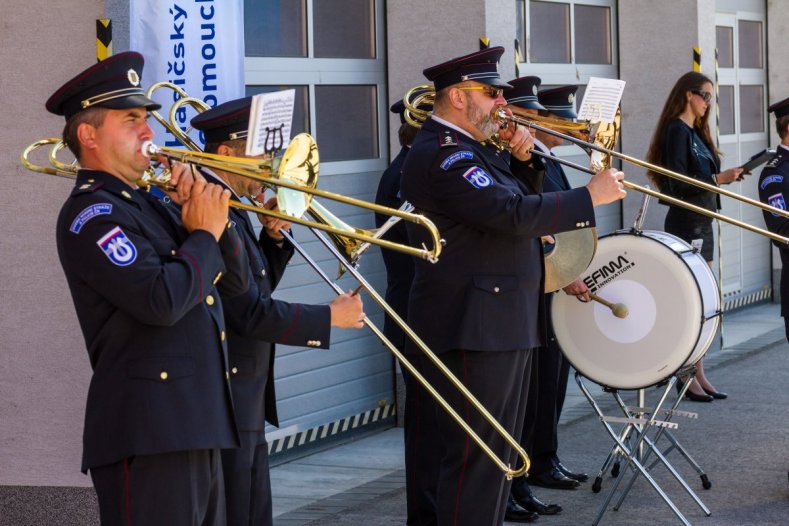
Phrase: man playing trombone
[256,321]
[144,287]
[479,308]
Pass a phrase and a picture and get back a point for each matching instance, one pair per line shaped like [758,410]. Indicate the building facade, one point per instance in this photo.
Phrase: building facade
[348,60]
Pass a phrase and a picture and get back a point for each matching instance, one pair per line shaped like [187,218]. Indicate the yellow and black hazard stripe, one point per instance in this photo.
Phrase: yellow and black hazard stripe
[697,59]
[330,431]
[103,38]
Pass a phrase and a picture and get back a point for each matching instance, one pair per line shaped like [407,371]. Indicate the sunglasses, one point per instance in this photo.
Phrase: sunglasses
[490,91]
[706,95]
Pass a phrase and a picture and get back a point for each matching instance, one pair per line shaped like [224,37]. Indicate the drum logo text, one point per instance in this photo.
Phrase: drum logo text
[615,268]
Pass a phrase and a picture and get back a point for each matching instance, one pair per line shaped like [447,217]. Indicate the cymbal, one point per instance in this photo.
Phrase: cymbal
[569,257]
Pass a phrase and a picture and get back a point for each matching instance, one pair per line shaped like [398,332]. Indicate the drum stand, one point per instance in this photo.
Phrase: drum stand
[634,445]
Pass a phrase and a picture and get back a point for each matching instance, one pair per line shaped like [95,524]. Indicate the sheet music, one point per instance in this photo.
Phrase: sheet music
[270,119]
[601,100]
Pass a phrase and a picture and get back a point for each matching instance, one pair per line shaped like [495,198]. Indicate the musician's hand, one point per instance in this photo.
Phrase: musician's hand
[519,139]
[182,177]
[207,207]
[346,311]
[578,289]
[272,224]
[547,240]
[606,187]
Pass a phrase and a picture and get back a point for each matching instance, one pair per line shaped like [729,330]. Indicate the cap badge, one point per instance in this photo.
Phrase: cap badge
[134,78]
[570,98]
[534,89]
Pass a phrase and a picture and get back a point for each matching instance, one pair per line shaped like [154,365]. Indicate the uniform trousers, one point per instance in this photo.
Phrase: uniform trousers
[183,488]
[449,479]
[550,370]
[247,482]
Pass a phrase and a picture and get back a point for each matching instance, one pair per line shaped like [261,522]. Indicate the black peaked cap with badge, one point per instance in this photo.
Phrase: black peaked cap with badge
[524,93]
[780,109]
[559,101]
[225,122]
[481,66]
[112,83]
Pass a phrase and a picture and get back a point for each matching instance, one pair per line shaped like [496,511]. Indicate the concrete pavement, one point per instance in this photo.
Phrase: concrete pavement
[740,442]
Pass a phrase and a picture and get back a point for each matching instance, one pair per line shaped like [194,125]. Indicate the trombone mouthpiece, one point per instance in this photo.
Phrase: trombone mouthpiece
[149,149]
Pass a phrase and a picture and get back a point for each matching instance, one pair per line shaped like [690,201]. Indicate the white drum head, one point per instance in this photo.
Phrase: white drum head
[665,312]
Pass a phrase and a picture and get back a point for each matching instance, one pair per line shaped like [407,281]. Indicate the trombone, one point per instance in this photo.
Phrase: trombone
[525,119]
[347,259]
[587,135]
[304,157]
[249,168]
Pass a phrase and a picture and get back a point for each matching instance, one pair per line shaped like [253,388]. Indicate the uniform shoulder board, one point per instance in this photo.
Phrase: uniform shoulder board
[448,138]
[88,187]
[776,160]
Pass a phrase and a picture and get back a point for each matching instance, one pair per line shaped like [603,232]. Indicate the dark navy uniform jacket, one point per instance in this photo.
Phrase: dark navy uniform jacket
[145,295]
[256,321]
[485,292]
[774,190]
[399,266]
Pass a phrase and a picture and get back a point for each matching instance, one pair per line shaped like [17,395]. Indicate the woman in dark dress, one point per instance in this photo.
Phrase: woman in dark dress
[682,143]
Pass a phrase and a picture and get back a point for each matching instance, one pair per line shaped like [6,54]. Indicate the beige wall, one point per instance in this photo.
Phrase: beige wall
[421,34]
[44,369]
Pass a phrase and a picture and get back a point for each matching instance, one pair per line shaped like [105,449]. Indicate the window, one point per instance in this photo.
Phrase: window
[751,109]
[566,32]
[750,44]
[275,28]
[724,40]
[331,52]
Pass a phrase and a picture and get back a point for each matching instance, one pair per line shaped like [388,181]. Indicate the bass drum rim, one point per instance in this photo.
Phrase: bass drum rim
[695,335]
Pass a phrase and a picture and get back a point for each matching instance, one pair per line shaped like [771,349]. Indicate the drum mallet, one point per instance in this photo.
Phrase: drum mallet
[618,309]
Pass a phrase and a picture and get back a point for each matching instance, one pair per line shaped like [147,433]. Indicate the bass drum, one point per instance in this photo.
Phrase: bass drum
[673,306]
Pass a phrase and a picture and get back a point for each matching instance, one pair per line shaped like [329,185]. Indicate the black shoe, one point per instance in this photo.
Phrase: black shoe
[553,479]
[580,477]
[515,513]
[717,395]
[693,397]
[532,503]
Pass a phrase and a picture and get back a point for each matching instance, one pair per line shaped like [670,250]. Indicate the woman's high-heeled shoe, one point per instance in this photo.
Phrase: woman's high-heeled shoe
[717,395]
[693,397]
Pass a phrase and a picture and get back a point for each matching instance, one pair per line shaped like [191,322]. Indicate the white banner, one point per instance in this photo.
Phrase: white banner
[198,45]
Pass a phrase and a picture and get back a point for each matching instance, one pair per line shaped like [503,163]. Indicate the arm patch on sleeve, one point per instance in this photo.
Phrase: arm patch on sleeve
[455,157]
[477,177]
[777,201]
[89,213]
[117,247]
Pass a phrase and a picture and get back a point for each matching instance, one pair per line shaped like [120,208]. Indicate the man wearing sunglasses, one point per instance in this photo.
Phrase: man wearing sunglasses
[479,307]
